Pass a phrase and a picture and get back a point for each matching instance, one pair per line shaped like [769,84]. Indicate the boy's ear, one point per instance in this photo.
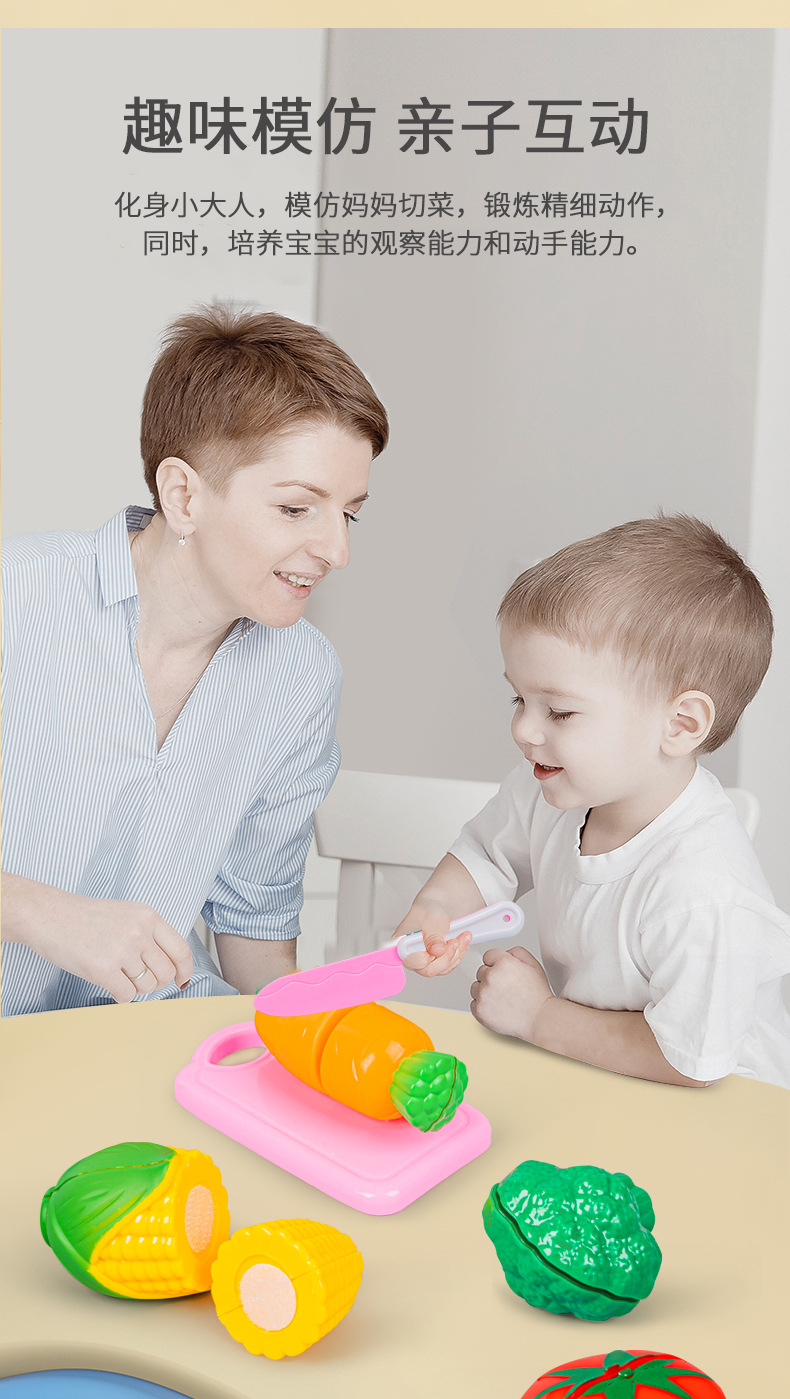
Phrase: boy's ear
[690,720]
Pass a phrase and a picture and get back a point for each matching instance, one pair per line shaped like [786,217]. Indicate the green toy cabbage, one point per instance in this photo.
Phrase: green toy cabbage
[576,1240]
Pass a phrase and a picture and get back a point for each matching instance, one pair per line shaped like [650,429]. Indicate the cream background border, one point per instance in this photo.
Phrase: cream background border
[404,13]
[659,14]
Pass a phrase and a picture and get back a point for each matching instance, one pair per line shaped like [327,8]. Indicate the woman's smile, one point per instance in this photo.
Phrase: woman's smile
[298,584]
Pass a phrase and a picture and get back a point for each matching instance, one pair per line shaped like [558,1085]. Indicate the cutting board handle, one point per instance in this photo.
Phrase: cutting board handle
[226,1041]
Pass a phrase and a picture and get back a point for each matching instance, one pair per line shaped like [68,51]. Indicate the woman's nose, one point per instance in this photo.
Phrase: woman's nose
[332,545]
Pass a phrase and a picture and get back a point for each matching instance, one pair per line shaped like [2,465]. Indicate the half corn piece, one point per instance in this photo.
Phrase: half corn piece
[138,1220]
[279,1287]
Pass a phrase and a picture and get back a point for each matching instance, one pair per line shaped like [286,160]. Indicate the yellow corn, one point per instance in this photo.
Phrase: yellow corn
[280,1287]
[166,1248]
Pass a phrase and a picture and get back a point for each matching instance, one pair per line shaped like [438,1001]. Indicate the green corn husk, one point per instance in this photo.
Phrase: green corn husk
[93,1195]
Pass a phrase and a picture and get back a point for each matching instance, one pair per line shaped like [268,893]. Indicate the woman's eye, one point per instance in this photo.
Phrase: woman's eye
[352,519]
[293,512]
[560,713]
[516,700]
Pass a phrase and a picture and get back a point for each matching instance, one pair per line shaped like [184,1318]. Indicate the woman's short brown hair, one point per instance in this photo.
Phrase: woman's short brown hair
[230,381]
[670,597]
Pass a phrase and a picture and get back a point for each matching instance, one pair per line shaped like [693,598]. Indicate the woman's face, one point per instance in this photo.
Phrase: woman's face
[281,525]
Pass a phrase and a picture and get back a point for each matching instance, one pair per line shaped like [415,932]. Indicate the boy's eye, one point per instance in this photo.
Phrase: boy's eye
[560,713]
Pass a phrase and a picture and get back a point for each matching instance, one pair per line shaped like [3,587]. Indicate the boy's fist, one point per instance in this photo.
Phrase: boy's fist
[510,990]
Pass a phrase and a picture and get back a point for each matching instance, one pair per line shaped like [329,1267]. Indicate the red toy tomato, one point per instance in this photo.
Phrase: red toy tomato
[625,1374]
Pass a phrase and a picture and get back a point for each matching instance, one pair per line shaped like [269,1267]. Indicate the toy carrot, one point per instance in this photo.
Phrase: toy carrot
[370,1059]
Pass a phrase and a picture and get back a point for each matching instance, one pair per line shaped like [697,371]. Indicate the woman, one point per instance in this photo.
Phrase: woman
[168,715]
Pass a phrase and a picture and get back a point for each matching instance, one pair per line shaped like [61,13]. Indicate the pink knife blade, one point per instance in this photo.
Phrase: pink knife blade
[374,975]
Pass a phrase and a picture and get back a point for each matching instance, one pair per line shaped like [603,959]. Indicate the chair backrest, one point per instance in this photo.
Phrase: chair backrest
[390,831]
[386,819]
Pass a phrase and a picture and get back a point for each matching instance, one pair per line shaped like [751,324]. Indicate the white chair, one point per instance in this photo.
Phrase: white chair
[389,832]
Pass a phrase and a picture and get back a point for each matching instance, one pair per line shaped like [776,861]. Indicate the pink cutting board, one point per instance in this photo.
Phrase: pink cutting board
[376,1167]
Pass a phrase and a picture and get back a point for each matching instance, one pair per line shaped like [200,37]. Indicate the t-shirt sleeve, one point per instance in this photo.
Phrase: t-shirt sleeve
[707,966]
[494,845]
[258,890]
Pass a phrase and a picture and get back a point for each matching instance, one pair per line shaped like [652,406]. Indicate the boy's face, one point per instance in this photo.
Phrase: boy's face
[592,736]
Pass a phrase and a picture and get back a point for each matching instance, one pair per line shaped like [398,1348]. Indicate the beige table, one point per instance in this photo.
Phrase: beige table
[434,1317]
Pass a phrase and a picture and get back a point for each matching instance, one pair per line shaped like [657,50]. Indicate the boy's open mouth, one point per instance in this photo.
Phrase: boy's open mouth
[543,773]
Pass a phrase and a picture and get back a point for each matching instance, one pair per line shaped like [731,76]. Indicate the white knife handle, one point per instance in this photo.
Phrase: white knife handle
[502,920]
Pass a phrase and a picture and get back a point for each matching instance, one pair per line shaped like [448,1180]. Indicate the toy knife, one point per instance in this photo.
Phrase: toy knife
[375,975]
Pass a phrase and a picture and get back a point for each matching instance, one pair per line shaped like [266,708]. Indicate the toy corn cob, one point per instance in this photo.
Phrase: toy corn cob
[138,1220]
[370,1059]
[279,1287]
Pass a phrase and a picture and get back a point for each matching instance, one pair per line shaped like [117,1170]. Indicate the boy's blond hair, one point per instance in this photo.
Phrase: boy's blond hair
[670,597]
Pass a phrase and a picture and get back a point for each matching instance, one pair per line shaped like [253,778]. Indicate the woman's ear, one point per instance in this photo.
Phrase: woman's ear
[689,722]
[176,482]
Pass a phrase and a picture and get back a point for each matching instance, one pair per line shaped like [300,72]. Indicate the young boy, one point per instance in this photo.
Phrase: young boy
[629,654]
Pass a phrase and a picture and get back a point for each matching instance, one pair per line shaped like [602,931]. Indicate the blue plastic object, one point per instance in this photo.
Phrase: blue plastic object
[82,1384]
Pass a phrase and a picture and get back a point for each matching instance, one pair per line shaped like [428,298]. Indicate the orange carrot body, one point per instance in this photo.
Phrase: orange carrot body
[351,1055]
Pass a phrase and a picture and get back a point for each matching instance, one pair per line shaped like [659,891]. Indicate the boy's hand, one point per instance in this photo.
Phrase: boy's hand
[512,996]
[510,991]
[442,954]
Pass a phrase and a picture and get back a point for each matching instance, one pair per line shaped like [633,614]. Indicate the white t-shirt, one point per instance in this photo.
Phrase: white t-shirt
[679,922]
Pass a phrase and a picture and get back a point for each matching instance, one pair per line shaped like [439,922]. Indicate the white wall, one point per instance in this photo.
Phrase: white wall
[83,309]
[536,401]
[765,734]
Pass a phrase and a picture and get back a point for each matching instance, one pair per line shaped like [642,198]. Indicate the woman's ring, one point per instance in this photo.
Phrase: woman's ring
[141,974]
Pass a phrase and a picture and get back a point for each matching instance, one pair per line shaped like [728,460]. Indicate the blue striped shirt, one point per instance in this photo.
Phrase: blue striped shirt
[217,822]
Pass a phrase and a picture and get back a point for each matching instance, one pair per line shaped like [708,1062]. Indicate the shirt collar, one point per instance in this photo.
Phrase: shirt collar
[114,560]
[113,556]
[616,864]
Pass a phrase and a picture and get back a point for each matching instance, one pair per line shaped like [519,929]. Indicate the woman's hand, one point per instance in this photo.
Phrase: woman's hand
[124,947]
[510,991]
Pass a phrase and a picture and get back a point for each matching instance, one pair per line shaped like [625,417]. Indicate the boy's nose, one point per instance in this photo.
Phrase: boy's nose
[528,731]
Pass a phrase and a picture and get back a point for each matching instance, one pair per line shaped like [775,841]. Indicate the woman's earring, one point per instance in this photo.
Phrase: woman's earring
[182,539]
